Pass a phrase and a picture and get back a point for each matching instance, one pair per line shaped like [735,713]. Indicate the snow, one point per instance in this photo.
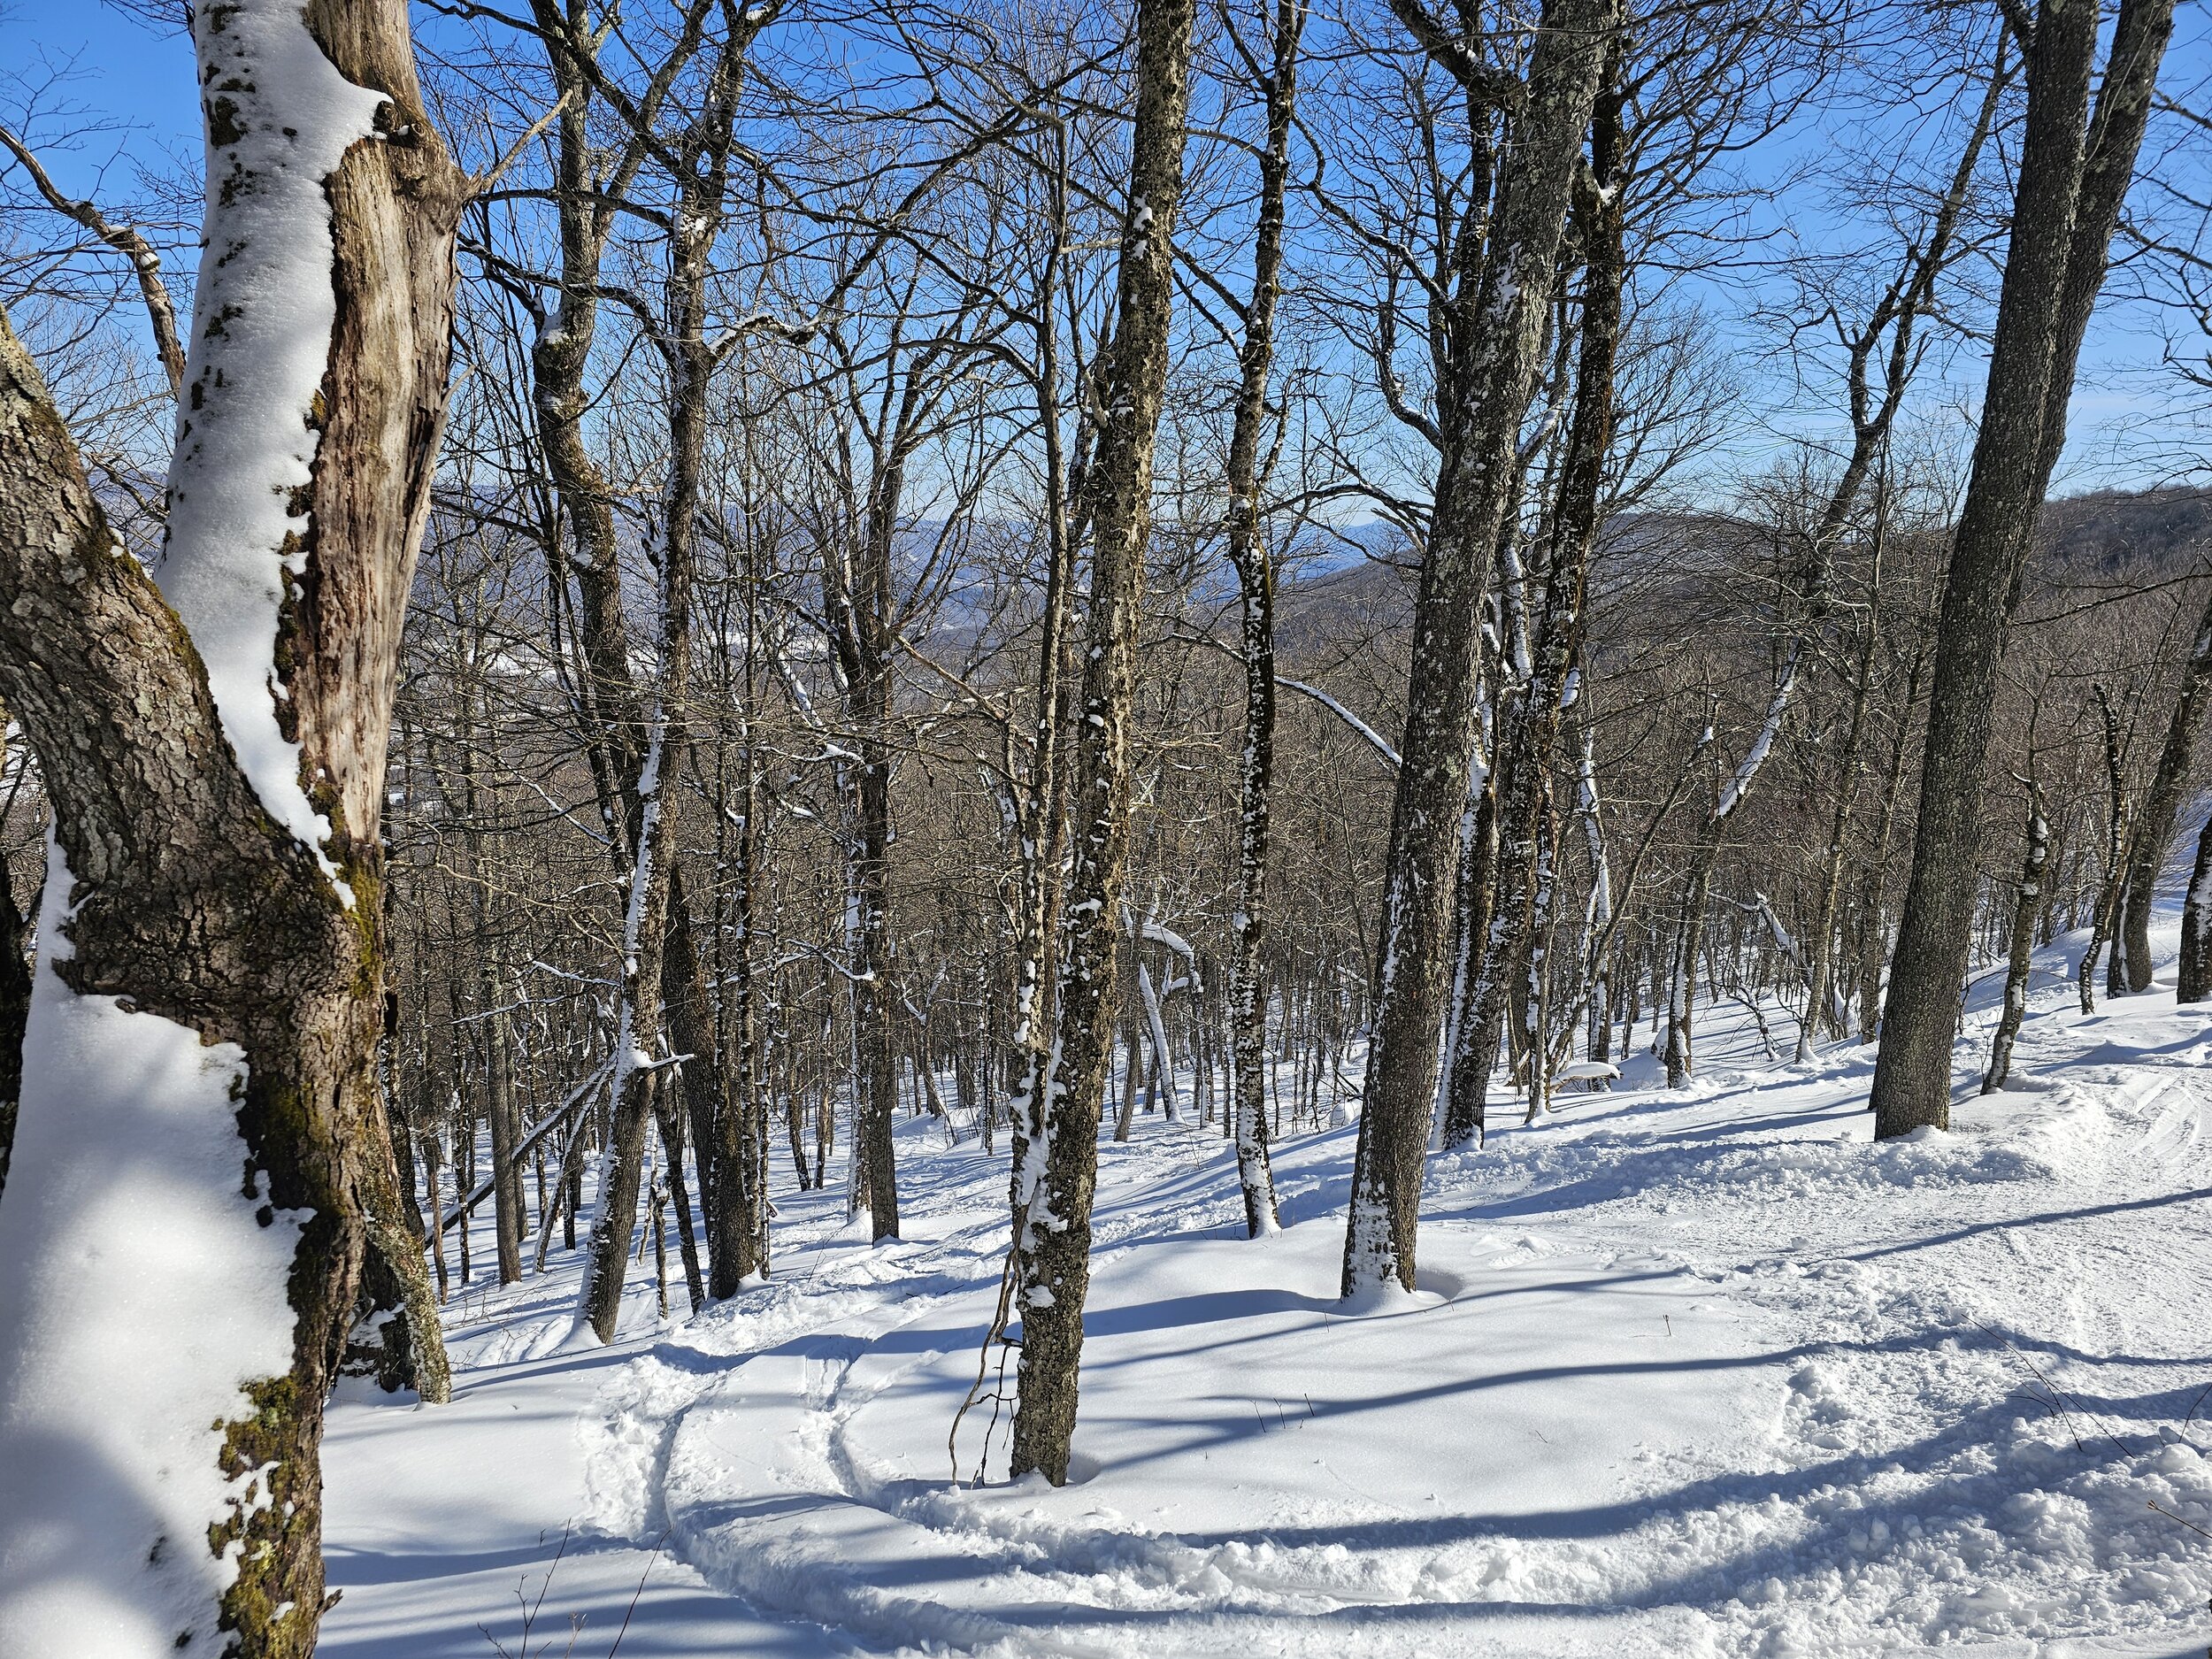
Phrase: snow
[261,325]
[1585,1072]
[1687,1373]
[142,1296]
[1762,743]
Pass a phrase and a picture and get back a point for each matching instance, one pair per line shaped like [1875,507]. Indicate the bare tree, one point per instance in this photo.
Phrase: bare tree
[1483,392]
[1254,563]
[2075,168]
[1055,1151]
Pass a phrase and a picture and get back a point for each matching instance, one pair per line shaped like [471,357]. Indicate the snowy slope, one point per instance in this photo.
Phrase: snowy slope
[1694,1373]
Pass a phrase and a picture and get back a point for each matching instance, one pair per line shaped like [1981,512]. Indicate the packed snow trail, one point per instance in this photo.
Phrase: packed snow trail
[1699,1372]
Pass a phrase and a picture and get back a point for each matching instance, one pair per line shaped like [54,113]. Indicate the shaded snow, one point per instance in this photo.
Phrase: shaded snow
[1690,1372]
[141,1296]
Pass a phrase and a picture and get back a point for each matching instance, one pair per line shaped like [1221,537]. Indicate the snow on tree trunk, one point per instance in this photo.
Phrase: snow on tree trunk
[279,119]
[204,1162]
[146,1310]
[1509,947]
[2073,175]
[1254,561]
[2195,981]
[1059,1169]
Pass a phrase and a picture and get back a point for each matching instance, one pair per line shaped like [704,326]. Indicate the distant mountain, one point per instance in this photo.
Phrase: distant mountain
[2137,535]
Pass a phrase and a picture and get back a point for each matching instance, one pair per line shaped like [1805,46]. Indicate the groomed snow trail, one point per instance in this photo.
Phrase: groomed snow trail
[1691,1373]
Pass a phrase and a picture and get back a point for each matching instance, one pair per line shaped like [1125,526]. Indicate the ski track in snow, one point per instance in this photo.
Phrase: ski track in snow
[1692,1373]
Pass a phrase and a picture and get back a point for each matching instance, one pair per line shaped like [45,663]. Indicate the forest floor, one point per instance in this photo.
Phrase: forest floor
[1700,1372]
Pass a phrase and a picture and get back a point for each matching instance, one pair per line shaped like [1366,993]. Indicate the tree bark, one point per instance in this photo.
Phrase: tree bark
[2066,204]
[1058,1169]
[701,168]
[1491,370]
[2105,915]
[1255,564]
[15,1008]
[2194,981]
[860,610]
[1820,937]
[2024,915]
[185,892]
[2162,806]
[1505,954]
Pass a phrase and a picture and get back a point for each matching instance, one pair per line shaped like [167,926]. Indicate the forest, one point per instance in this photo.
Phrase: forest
[1105,826]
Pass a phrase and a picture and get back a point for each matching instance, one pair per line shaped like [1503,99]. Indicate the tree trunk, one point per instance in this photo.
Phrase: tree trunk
[702,174]
[1874,886]
[15,1009]
[1472,1052]
[210,991]
[1254,563]
[1481,406]
[2108,893]
[2065,206]
[2162,806]
[1058,1169]
[2194,983]
[875,1000]
[737,1222]
[2024,914]
[1503,956]
[1820,1000]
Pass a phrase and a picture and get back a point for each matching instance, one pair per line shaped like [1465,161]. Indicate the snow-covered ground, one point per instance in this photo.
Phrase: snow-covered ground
[1693,1373]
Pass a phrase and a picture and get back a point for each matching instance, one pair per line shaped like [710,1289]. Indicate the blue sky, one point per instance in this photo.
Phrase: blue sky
[2130,426]
[125,71]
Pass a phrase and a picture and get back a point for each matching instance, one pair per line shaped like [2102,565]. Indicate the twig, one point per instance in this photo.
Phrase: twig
[629,1612]
[2170,1516]
[483,181]
[2058,1397]
[2192,1417]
